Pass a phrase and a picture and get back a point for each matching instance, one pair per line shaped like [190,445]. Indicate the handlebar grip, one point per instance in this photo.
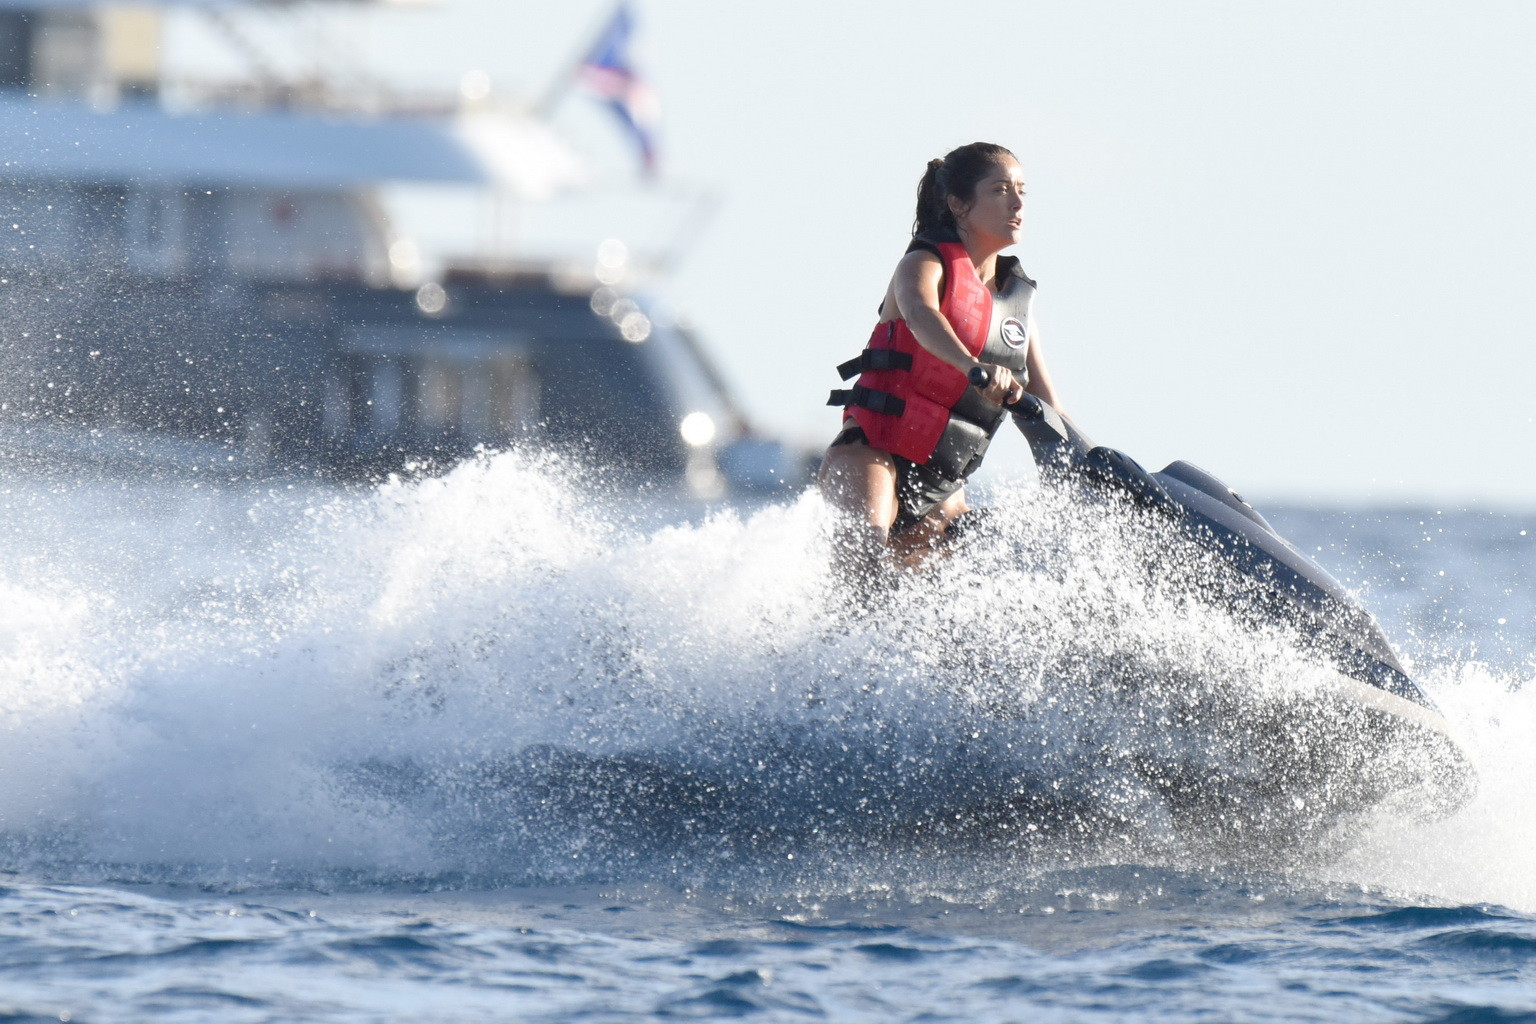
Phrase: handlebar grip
[979,376]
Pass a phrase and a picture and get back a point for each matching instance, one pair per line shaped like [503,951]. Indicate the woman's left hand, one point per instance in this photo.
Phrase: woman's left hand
[1002,387]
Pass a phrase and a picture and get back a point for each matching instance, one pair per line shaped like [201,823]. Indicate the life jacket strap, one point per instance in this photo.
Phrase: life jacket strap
[875,359]
[868,398]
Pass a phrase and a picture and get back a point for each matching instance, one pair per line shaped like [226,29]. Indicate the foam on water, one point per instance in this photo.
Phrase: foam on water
[498,675]
[1487,852]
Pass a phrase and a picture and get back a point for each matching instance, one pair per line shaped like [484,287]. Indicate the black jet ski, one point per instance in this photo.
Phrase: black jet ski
[1379,717]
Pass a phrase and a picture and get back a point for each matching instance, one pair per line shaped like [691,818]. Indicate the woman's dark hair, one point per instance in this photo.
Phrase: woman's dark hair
[955,175]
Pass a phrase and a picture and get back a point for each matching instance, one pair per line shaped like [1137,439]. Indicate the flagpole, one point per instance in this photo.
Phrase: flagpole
[704,203]
[561,86]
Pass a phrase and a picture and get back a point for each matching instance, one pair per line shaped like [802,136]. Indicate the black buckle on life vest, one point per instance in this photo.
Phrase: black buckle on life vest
[875,359]
[868,398]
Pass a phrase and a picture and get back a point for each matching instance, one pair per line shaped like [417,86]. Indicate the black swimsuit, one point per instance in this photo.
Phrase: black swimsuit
[919,490]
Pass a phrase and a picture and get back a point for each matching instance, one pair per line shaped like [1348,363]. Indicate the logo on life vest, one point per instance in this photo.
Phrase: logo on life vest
[1014,335]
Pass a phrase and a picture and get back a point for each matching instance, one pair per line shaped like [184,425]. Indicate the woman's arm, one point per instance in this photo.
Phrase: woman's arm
[1039,377]
[916,287]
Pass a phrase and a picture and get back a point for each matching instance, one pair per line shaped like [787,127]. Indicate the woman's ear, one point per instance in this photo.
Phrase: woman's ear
[957,209]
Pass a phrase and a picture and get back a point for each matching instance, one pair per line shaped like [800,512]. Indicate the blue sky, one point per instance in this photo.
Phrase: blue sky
[1294,242]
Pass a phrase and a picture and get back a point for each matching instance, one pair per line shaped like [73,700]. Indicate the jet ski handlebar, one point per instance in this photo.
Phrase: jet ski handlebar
[1054,440]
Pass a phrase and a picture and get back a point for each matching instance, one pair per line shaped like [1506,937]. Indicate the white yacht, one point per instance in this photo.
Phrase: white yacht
[209,277]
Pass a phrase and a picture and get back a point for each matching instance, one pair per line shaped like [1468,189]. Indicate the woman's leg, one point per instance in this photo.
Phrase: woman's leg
[913,545]
[860,483]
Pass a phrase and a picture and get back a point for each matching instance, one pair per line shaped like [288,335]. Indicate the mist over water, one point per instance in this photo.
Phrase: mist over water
[499,677]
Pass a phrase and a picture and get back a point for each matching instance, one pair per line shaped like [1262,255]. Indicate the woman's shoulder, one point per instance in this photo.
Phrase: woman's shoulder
[918,264]
[929,241]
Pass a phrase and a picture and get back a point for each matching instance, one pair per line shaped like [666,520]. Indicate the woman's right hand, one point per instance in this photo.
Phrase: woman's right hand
[1001,387]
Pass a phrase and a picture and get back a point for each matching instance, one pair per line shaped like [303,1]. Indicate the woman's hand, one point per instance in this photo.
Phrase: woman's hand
[1001,387]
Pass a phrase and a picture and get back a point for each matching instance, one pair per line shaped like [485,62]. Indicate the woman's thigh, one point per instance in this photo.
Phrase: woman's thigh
[860,481]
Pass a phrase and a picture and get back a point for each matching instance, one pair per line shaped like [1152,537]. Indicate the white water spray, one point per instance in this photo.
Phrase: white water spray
[496,674]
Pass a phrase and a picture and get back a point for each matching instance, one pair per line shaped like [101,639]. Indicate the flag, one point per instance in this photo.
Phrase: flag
[608,70]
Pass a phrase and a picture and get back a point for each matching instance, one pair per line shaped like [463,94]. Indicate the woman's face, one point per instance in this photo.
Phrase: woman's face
[996,210]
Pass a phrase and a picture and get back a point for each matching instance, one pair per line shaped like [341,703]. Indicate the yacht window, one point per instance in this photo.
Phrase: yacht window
[336,408]
[439,394]
[385,395]
[475,409]
[156,229]
[514,395]
[15,49]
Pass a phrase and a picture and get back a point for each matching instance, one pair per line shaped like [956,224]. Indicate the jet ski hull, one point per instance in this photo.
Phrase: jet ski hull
[1377,714]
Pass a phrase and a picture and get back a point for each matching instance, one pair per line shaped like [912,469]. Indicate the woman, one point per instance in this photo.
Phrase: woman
[915,428]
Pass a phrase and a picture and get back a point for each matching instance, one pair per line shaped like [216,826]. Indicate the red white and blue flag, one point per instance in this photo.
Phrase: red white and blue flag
[609,71]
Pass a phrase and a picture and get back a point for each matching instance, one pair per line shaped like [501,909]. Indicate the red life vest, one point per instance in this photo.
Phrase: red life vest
[903,399]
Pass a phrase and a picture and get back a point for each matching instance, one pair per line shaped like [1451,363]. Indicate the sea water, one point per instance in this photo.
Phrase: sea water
[499,745]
